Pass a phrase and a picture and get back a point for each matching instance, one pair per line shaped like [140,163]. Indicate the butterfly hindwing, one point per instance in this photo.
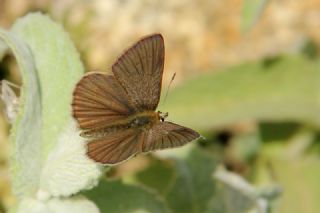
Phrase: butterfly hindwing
[115,147]
[139,70]
[167,135]
[99,100]
[121,145]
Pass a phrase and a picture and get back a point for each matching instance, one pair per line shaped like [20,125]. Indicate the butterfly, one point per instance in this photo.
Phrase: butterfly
[116,113]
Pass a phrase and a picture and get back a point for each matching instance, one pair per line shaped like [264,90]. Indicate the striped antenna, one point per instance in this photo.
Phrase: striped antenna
[167,92]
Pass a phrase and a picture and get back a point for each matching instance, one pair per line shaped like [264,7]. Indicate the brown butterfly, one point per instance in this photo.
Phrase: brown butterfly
[117,112]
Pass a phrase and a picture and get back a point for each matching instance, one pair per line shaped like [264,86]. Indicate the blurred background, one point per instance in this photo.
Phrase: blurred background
[245,78]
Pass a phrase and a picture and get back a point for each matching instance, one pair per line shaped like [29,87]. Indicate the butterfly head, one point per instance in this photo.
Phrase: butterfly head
[163,115]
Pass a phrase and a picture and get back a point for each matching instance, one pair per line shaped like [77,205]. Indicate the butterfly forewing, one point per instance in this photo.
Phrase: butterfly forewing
[99,100]
[139,70]
[167,135]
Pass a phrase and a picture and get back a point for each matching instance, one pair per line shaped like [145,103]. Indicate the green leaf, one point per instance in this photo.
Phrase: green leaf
[25,138]
[77,204]
[193,186]
[245,145]
[301,193]
[235,195]
[48,152]
[68,169]
[287,90]
[158,176]
[58,68]
[297,173]
[118,197]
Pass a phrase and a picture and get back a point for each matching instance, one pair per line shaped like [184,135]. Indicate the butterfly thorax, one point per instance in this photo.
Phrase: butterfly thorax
[141,121]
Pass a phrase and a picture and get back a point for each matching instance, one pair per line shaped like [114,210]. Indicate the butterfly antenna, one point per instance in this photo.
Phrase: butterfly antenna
[165,97]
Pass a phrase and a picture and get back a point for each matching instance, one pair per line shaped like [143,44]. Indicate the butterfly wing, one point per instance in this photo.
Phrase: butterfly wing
[139,70]
[99,100]
[167,135]
[115,147]
[121,145]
